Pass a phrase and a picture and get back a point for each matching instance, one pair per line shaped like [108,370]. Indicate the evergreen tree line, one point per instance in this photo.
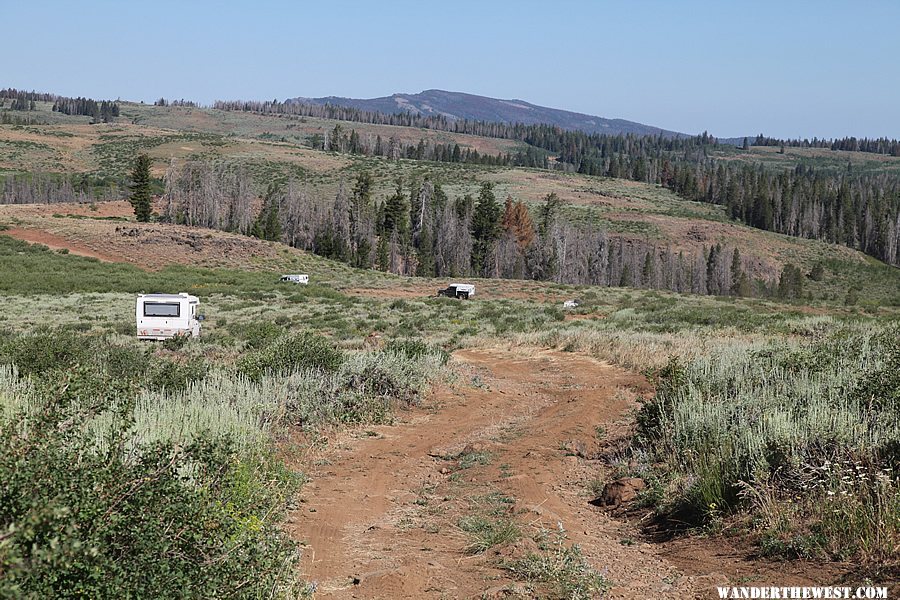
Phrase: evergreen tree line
[418,230]
[104,110]
[341,140]
[542,136]
[22,100]
[859,210]
[852,144]
[42,188]
[182,102]
[26,96]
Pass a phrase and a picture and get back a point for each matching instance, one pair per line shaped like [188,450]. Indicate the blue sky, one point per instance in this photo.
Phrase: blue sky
[733,68]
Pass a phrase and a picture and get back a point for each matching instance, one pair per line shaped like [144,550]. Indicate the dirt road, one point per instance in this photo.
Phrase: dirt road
[518,440]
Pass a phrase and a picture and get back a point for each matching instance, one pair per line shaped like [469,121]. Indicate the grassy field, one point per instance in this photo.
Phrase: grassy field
[818,158]
[211,413]
[775,421]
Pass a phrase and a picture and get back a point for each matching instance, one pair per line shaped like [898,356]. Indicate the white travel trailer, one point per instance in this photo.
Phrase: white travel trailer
[304,279]
[463,291]
[162,316]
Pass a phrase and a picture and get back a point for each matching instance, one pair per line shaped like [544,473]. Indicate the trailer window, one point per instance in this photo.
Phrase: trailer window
[162,309]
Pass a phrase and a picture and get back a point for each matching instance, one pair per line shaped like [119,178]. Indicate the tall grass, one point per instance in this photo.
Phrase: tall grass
[111,450]
[18,398]
[765,426]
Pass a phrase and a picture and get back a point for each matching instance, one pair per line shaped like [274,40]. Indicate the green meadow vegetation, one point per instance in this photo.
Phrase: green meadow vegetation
[774,416]
[120,457]
[766,417]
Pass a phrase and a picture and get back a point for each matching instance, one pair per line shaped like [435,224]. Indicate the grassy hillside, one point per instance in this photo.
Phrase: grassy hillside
[275,147]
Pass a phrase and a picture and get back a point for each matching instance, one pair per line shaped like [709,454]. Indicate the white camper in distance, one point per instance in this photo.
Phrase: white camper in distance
[304,279]
[162,316]
[458,290]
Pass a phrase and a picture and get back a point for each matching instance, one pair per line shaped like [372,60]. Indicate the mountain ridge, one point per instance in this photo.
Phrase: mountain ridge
[461,105]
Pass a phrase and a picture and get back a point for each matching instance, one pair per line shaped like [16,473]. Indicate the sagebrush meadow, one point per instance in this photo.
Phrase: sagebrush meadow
[449,345]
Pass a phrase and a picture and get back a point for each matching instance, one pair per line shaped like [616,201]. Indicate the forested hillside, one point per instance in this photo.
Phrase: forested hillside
[428,196]
[858,209]
[470,107]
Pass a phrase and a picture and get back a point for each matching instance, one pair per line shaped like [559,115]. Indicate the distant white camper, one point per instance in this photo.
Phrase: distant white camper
[162,316]
[463,291]
[304,279]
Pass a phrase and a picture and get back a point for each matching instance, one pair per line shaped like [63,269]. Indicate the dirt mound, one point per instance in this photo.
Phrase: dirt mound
[620,492]
[101,231]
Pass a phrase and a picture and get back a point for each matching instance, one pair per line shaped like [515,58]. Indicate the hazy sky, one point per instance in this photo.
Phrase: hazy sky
[785,69]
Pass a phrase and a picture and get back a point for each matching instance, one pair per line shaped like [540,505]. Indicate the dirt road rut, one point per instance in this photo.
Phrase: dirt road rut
[380,517]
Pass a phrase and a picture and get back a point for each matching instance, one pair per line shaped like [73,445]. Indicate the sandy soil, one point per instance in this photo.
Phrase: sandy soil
[55,242]
[150,246]
[380,516]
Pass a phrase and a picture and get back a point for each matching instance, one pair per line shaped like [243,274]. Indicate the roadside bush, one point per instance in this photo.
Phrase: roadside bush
[416,349]
[290,353]
[786,428]
[363,390]
[47,350]
[78,523]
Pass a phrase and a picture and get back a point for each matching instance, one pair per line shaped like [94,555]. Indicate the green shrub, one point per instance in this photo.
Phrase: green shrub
[258,334]
[291,353]
[879,387]
[416,349]
[127,361]
[164,374]
[176,342]
[78,523]
[47,350]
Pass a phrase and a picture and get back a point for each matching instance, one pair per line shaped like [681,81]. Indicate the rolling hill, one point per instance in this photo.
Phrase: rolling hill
[458,105]
[272,148]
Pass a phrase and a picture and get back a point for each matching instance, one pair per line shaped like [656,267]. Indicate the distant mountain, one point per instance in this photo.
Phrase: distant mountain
[457,105]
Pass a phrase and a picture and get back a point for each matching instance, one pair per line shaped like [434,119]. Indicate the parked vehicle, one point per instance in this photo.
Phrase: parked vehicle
[163,316]
[458,290]
[575,303]
[297,279]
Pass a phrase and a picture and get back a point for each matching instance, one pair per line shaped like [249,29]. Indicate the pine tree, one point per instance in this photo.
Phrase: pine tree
[737,273]
[485,227]
[336,139]
[360,204]
[396,214]
[140,188]
[425,255]
[647,271]
[383,257]
[268,223]
[625,280]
